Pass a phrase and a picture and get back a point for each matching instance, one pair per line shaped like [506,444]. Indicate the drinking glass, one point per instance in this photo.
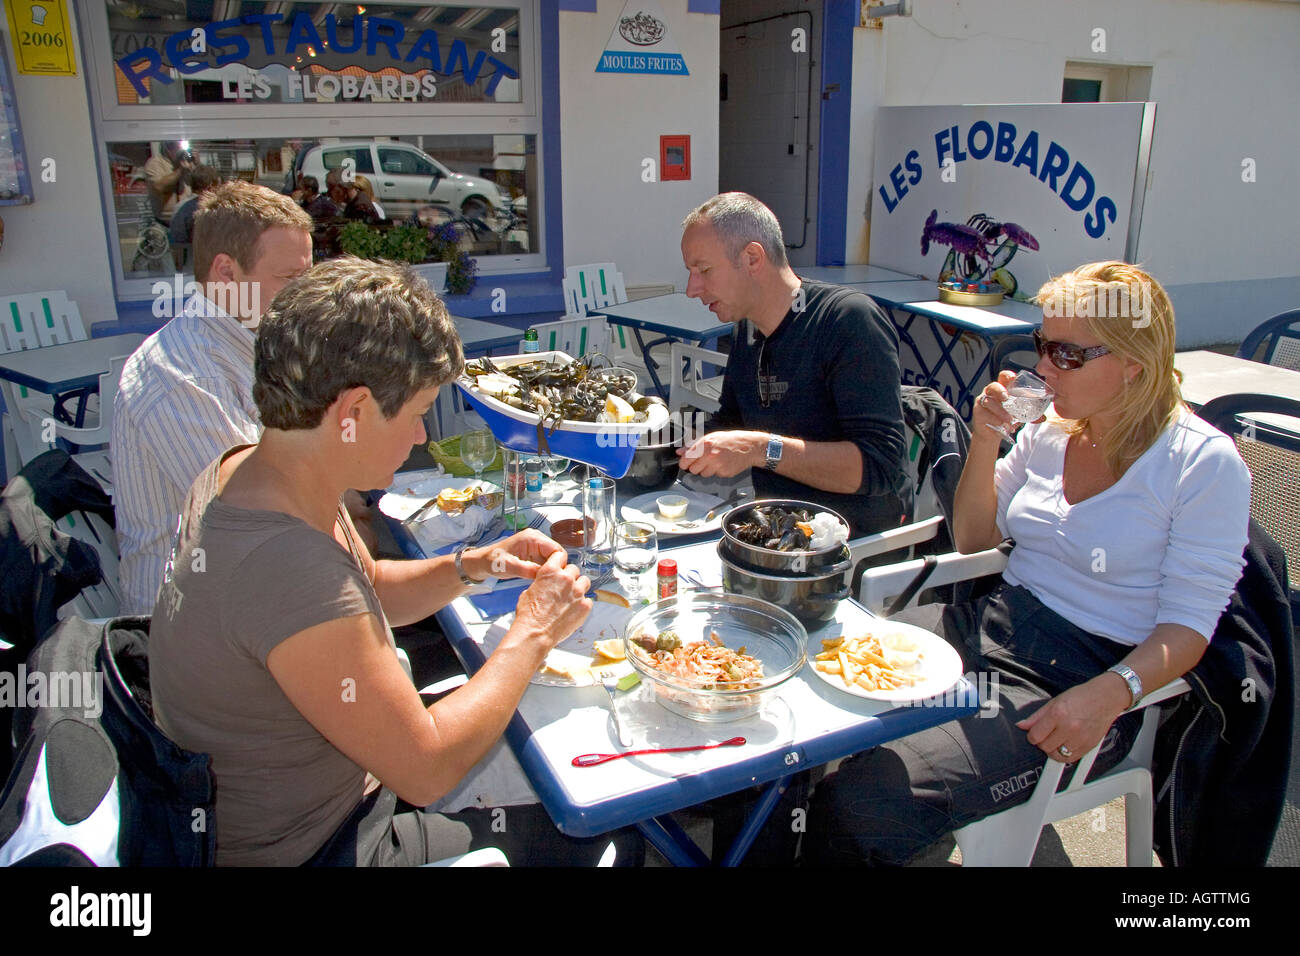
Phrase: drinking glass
[477,449]
[598,510]
[553,466]
[516,494]
[636,547]
[1027,400]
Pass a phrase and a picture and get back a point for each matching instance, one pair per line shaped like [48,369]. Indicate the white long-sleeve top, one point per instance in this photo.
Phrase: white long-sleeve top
[1162,545]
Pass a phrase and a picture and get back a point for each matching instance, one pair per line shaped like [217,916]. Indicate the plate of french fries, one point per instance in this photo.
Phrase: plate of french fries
[888,661]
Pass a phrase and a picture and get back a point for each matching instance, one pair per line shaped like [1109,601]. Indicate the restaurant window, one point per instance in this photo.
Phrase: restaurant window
[1105,83]
[433,106]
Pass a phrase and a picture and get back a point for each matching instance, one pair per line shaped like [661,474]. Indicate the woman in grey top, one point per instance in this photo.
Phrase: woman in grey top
[270,646]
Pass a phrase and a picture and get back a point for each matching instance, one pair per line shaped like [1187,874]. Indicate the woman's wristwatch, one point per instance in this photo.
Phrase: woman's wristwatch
[1130,677]
[465,579]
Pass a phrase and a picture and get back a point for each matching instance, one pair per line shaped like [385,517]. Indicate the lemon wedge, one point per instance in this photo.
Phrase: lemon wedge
[618,410]
[611,649]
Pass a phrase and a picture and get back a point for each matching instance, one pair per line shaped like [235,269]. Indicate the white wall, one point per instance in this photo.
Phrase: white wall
[610,122]
[1224,75]
[58,242]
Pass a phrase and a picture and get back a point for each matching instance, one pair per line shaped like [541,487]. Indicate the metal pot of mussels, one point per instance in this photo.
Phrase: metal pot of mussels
[784,536]
[811,597]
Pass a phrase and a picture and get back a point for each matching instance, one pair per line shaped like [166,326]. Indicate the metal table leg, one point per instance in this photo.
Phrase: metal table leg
[666,836]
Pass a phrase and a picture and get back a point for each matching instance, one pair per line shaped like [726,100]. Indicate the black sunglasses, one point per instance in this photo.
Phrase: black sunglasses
[1065,356]
[764,395]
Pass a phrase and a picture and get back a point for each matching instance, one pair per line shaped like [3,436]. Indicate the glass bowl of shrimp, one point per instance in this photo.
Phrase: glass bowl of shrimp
[714,657]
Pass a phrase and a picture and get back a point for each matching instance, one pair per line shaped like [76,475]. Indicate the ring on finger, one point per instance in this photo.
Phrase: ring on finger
[1065,751]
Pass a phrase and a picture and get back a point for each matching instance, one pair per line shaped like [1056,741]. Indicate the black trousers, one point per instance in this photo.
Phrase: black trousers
[887,805]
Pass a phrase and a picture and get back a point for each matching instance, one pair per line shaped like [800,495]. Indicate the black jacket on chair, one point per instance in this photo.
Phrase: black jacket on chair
[42,567]
[1223,754]
[95,780]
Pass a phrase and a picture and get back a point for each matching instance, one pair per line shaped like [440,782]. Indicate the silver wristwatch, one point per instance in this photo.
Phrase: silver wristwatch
[774,447]
[465,579]
[1130,677]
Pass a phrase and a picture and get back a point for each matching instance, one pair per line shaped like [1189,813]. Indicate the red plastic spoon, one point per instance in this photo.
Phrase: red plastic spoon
[591,760]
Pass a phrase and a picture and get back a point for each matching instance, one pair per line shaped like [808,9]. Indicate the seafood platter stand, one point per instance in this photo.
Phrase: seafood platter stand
[792,717]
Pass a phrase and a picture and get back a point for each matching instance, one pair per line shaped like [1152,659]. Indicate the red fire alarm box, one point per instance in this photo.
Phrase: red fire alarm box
[674,157]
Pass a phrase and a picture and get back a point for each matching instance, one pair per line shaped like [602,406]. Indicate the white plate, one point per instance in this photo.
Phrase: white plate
[643,508]
[939,667]
[405,498]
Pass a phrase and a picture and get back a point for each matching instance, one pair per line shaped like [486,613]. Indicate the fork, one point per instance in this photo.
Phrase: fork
[609,680]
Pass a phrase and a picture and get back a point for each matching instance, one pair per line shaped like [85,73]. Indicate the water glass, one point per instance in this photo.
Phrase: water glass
[477,449]
[553,466]
[636,548]
[598,510]
[1027,401]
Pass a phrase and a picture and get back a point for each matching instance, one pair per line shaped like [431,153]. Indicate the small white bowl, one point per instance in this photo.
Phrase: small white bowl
[671,507]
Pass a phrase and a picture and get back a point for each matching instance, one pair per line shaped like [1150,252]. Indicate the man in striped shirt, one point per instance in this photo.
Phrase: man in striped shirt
[186,395]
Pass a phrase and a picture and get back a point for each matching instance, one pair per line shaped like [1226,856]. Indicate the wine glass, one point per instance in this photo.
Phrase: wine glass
[636,546]
[477,450]
[1027,400]
[553,466]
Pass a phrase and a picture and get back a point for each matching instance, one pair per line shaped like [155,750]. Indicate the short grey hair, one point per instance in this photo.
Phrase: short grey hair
[740,219]
[351,322]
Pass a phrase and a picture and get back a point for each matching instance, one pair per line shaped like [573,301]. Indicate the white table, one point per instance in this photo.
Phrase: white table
[846,275]
[1209,375]
[935,356]
[675,318]
[806,723]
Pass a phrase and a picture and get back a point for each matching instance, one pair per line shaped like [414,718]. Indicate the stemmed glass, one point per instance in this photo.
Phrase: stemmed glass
[553,466]
[1027,400]
[477,449]
[636,546]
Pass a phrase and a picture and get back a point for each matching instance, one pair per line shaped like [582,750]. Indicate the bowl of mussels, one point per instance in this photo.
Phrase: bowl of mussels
[788,552]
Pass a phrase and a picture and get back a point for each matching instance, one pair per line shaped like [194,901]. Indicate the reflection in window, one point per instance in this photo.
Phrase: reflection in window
[225,51]
[478,183]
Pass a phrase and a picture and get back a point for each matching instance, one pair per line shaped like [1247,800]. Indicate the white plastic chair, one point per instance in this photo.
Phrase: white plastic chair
[1010,838]
[587,288]
[576,336]
[687,383]
[29,321]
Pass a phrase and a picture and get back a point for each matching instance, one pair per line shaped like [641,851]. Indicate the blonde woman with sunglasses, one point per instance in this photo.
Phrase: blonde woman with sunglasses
[1129,517]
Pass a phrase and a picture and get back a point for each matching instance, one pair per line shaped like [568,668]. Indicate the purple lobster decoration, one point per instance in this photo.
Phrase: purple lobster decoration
[978,250]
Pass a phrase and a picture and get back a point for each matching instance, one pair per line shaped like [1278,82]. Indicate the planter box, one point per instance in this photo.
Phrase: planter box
[435,273]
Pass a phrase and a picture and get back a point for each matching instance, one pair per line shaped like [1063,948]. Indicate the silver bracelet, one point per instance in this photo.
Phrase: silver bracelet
[465,579]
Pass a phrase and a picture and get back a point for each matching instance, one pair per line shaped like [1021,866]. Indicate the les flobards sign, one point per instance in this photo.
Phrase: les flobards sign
[1020,191]
[641,42]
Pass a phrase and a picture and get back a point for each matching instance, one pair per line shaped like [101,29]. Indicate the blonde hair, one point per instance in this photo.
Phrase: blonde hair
[1129,312]
[363,185]
[231,218]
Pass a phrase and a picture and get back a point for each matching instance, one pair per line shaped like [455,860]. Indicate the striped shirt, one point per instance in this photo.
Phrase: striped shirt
[186,395]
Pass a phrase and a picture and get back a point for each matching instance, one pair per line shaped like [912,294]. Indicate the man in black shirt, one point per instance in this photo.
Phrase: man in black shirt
[810,400]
